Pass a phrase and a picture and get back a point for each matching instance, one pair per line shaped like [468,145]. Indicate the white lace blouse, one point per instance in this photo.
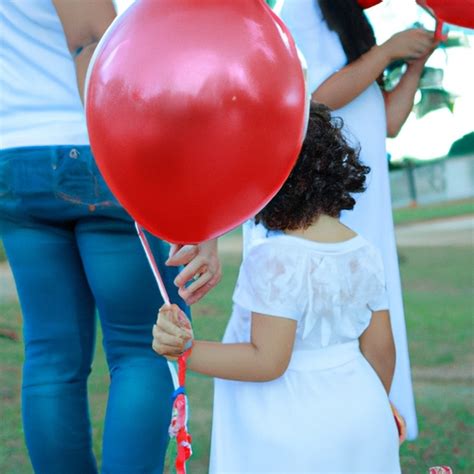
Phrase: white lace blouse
[330,289]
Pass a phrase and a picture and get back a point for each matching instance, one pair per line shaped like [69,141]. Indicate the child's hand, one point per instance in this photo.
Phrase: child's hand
[172,332]
[401,424]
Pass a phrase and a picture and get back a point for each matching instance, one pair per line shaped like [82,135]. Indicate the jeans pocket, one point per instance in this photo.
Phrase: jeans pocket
[78,180]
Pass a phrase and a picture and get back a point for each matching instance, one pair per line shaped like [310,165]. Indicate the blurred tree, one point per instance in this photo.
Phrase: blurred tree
[433,99]
[463,146]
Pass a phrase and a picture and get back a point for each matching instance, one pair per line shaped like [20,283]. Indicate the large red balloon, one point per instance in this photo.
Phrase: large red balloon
[456,12]
[196,113]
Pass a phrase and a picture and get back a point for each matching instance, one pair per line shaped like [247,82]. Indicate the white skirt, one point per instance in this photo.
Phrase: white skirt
[328,413]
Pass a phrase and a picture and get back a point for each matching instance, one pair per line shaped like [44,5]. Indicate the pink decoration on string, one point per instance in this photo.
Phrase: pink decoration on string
[440,470]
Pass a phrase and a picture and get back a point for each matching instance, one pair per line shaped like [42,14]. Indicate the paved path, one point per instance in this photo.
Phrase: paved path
[7,286]
[457,231]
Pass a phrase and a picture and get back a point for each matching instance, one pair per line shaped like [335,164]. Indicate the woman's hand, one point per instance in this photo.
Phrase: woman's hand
[409,44]
[202,265]
[172,332]
[416,66]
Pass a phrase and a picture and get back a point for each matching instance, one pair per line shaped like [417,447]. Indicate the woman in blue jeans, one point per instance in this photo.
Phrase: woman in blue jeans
[73,249]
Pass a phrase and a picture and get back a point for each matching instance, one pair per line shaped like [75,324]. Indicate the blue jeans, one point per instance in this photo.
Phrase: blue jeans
[73,249]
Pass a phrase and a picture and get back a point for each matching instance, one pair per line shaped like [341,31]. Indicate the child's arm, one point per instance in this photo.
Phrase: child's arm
[265,358]
[376,343]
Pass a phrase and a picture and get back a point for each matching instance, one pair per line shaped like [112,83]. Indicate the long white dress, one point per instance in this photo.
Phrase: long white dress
[365,124]
[329,412]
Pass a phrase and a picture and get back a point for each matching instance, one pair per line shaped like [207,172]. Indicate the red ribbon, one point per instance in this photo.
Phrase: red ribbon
[178,422]
[178,427]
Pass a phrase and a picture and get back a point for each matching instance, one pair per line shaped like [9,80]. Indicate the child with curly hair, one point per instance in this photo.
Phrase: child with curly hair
[307,359]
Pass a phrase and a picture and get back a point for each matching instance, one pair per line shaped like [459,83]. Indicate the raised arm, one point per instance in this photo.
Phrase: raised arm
[376,343]
[84,23]
[349,82]
[264,358]
[399,101]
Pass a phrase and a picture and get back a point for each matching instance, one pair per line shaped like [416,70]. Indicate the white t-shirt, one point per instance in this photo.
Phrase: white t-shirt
[39,99]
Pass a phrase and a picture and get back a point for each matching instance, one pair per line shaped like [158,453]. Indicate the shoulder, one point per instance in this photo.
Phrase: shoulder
[269,280]
[273,249]
[369,262]
[273,260]
[302,13]
[371,253]
[372,279]
[320,46]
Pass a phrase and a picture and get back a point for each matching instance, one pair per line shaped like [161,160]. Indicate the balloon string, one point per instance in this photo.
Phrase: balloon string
[152,262]
[439,36]
[183,438]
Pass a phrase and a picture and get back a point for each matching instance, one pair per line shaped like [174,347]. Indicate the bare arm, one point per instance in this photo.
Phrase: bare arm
[345,85]
[84,23]
[349,82]
[264,358]
[399,101]
[376,343]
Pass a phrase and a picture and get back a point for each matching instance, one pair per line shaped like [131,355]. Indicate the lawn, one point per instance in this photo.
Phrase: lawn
[409,215]
[439,308]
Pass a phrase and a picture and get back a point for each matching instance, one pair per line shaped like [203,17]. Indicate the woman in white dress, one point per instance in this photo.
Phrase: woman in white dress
[308,355]
[344,65]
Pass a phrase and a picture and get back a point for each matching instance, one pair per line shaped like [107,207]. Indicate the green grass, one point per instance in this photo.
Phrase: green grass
[439,309]
[435,211]
[439,301]
[439,306]
[3,257]
[13,458]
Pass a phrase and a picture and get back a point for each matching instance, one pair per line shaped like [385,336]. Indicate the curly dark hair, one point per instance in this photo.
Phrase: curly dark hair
[327,171]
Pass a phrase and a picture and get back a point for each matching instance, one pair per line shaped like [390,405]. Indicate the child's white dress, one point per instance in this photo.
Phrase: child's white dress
[329,412]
